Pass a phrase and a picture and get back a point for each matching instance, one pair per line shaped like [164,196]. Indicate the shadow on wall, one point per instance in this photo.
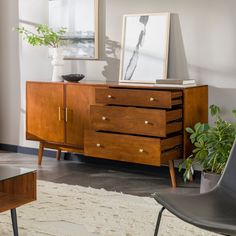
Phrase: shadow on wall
[177,65]
[220,77]
[111,57]
[225,99]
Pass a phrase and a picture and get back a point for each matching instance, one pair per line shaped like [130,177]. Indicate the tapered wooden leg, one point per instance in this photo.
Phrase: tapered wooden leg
[40,153]
[58,154]
[172,173]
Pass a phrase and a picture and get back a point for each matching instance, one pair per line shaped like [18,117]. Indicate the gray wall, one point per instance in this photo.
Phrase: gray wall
[202,43]
[9,74]
[202,47]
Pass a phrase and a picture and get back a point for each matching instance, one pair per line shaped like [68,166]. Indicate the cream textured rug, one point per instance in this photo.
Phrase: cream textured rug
[67,210]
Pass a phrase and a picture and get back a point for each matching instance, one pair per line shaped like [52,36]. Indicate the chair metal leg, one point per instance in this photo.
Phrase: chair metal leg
[14,221]
[158,221]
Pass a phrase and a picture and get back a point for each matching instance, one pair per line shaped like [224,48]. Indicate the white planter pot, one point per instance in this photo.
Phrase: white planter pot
[58,63]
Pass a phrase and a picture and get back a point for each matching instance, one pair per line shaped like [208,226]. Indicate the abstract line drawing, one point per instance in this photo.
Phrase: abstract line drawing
[144,51]
[134,59]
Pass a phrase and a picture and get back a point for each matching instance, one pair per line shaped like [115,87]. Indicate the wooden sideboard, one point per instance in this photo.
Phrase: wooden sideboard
[133,123]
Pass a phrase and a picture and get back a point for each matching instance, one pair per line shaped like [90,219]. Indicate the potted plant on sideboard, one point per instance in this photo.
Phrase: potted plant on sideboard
[45,36]
[212,145]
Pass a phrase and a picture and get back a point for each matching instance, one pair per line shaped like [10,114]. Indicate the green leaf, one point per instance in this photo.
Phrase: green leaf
[234,112]
[196,150]
[215,110]
[206,127]
[197,144]
[193,137]
[189,130]
[197,126]
[43,35]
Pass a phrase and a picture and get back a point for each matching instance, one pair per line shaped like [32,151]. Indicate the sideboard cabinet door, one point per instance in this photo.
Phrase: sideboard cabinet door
[77,112]
[45,112]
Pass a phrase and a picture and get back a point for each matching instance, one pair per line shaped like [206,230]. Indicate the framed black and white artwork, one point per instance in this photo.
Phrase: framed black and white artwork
[144,47]
[80,18]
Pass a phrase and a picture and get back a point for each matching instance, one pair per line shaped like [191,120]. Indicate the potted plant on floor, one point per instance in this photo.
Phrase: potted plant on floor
[45,36]
[212,145]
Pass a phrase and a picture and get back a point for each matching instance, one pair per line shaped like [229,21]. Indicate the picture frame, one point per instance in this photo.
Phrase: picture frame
[144,48]
[81,38]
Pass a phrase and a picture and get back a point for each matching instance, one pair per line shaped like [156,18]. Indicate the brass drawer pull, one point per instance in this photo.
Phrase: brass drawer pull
[140,150]
[146,122]
[66,114]
[98,145]
[109,96]
[59,113]
[152,99]
[104,118]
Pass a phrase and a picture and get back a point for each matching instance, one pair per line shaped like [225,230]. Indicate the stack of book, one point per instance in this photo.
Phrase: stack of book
[176,81]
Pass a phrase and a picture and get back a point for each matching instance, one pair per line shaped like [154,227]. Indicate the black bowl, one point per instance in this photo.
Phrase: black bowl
[73,77]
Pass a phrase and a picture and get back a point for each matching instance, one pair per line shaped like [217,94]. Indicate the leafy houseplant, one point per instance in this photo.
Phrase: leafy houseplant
[212,145]
[45,36]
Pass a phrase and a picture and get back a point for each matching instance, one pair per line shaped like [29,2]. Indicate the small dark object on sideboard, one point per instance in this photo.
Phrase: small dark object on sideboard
[73,77]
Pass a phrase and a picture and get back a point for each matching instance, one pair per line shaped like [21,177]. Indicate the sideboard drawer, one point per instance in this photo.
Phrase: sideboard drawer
[132,120]
[138,97]
[150,151]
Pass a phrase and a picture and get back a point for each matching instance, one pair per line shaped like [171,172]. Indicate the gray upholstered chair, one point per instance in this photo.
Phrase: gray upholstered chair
[214,211]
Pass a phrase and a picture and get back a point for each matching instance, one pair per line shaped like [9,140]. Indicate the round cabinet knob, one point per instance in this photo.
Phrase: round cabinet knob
[151,99]
[109,96]
[104,118]
[98,145]
[146,122]
[141,150]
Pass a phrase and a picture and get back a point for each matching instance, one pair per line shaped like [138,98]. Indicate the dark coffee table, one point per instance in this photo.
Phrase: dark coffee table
[17,187]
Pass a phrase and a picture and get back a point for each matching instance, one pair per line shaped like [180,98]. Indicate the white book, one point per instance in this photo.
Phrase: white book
[175,85]
[176,81]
